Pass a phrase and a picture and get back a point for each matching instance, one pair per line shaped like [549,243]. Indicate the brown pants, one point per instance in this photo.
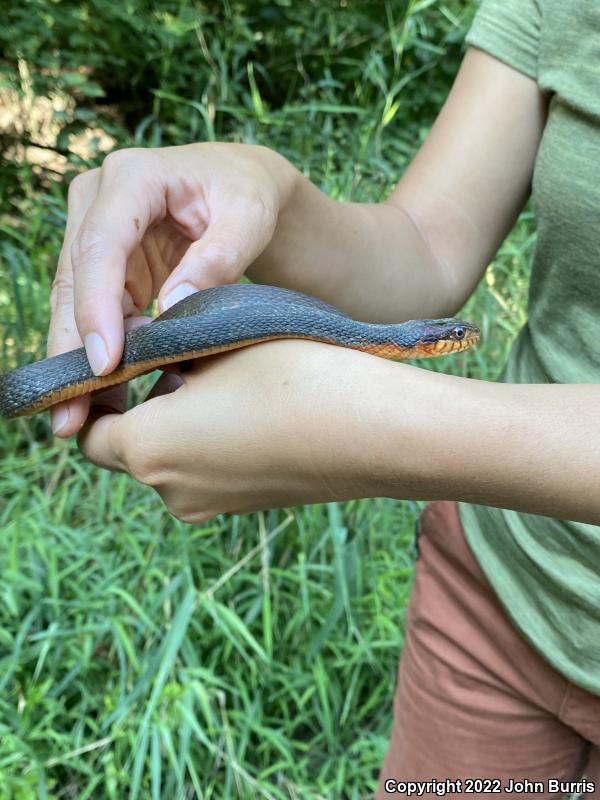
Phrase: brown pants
[474,700]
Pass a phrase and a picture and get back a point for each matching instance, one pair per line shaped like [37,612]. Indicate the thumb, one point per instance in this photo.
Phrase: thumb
[234,238]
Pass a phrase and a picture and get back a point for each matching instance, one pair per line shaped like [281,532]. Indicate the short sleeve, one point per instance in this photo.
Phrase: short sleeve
[510,31]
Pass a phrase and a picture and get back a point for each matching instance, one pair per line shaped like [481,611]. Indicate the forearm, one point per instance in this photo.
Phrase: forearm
[532,448]
[287,423]
[368,259]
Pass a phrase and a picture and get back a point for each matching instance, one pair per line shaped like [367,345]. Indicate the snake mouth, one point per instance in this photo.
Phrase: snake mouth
[441,347]
[446,346]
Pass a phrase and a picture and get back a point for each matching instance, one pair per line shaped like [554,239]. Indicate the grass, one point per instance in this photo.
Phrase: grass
[248,657]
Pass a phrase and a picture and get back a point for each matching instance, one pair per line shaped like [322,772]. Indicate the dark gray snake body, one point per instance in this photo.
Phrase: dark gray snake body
[219,319]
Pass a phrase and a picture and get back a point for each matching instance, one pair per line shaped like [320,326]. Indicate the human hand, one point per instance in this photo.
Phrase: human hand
[156,223]
[274,425]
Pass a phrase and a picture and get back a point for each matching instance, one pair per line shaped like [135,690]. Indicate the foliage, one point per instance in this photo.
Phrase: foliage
[310,79]
[249,657]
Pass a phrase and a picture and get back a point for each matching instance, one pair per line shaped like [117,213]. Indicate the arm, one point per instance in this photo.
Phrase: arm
[423,251]
[484,445]
[167,222]
[362,427]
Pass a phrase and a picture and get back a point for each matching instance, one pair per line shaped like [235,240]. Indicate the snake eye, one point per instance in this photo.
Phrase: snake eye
[459,332]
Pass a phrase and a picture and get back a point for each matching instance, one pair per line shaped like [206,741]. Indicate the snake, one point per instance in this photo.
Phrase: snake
[224,318]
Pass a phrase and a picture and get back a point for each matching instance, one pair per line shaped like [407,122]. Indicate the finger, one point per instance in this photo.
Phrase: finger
[237,234]
[115,397]
[131,323]
[101,440]
[67,418]
[129,198]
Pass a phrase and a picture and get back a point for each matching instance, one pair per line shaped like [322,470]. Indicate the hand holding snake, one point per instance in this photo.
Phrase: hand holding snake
[264,426]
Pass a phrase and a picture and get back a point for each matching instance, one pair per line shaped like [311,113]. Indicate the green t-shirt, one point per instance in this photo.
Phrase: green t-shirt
[547,572]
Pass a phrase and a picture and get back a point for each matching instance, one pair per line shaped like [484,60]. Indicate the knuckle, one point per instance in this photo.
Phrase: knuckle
[228,257]
[140,464]
[231,256]
[262,210]
[61,292]
[140,459]
[126,159]
[80,185]
[182,507]
[86,244]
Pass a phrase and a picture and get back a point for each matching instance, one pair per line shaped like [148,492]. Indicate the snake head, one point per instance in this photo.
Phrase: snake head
[441,336]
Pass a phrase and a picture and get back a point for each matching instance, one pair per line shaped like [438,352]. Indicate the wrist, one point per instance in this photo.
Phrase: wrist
[306,234]
[366,435]
[443,437]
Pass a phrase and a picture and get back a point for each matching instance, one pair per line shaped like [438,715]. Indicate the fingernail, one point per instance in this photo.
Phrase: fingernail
[179,293]
[59,418]
[96,352]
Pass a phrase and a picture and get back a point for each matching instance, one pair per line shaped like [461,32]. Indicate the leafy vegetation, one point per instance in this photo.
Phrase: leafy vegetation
[248,657]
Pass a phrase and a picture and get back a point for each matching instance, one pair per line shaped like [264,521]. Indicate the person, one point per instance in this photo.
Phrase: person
[500,673]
